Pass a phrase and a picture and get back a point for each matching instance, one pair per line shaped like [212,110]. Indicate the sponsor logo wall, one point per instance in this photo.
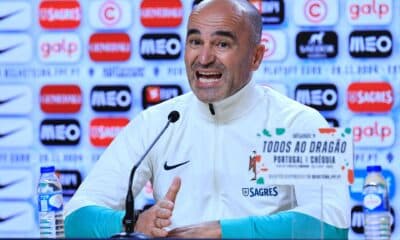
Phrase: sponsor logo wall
[73,73]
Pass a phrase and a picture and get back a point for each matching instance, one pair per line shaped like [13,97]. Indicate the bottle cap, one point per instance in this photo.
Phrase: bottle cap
[47,169]
[374,168]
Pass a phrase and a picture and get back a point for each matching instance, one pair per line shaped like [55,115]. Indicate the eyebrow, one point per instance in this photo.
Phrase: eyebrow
[216,33]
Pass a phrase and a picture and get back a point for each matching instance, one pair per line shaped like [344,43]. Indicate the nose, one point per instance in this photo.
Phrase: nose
[206,56]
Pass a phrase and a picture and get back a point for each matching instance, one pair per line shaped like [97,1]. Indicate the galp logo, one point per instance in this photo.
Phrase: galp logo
[70,181]
[356,189]
[59,14]
[315,45]
[57,132]
[272,11]
[104,130]
[372,97]
[107,47]
[15,48]
[275,43]
[15,99]
[110,14]
[111,98]
[315,12]
[159,13]
[59,48]
[377,131]
[154,94]
[160,46]
[358,222]
[15,15]
[323,97]
[369,12]
[370,44]
[60,98]
[16,132]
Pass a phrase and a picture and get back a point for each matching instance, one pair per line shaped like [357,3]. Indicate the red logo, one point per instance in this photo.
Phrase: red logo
[110,47]
[59,14]
[153,94]
[104,130]
[370,97]
[60,98]
[161,13]
[315,10]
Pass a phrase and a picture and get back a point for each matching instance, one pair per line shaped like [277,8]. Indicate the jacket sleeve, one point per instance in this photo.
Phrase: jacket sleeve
[93,222]
[283,225]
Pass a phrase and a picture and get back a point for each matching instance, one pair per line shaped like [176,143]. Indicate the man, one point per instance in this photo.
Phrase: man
[200,165]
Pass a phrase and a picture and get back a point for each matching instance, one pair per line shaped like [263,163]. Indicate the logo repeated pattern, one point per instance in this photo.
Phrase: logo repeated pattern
[73,73]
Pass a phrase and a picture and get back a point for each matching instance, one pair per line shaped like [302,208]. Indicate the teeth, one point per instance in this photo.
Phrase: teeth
[208,80]
[209,73]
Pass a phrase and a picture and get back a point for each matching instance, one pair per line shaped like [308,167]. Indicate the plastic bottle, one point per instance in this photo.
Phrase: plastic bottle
[376,205]
[50,206]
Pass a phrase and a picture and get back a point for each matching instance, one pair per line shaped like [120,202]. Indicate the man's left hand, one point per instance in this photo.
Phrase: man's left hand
[202,230]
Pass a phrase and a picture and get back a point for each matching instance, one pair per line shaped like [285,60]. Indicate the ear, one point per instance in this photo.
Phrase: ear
[258,56]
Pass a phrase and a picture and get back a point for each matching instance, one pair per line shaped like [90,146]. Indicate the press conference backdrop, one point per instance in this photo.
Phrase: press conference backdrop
[72,74]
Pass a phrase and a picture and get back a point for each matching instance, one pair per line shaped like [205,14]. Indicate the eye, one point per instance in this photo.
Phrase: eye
[223,44]
[194,42]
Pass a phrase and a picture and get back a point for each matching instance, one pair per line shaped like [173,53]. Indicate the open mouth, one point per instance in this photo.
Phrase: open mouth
[208,77]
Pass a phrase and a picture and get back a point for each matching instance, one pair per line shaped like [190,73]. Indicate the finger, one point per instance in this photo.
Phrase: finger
[173,189]
[166,204]
[158,232]
[162,223]
[163,213]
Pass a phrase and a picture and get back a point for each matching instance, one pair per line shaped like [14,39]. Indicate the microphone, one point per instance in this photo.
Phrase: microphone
[129,220]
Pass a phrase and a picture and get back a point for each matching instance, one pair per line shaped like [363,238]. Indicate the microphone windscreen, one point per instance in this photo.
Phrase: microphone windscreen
[173,116]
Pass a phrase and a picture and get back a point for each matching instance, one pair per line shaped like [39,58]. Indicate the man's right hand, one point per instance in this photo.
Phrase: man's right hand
[153,221]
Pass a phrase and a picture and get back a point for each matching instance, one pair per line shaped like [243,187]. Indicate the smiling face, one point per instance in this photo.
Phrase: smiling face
[220,52]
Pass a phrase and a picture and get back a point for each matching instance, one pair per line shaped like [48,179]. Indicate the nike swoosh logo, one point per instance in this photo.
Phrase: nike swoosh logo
[5,16]
[4,101]
[6,134]
[11,183]
[3,219]
[4,50]
[170,167]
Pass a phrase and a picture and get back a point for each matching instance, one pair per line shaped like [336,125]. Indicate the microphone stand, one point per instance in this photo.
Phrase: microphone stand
[129,219]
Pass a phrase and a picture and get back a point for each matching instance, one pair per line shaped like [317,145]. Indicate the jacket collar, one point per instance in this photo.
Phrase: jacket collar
[232,107]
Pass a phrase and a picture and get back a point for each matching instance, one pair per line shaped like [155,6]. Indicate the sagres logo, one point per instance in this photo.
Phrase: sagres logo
[323,97]
[70,181]
[15,99]
[161,13]
[370,97]
[272,11]
[160,46]
[376,131]
[275,43]
[105,47]
[16,132]
[369,44]
[323,44]
[356,189]
[59,14]
[357,219]
[59,48]
[111,98]
[315,12]
[60,98]
[15,48]
[58,132]
[153,94]
[369,12]
[110,14]
[15,15]
[104,130]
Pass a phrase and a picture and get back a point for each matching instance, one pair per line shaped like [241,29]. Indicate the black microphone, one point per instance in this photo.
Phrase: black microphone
[129,220]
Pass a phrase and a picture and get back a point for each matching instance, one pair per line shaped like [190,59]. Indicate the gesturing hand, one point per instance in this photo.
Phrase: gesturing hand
[153,221]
